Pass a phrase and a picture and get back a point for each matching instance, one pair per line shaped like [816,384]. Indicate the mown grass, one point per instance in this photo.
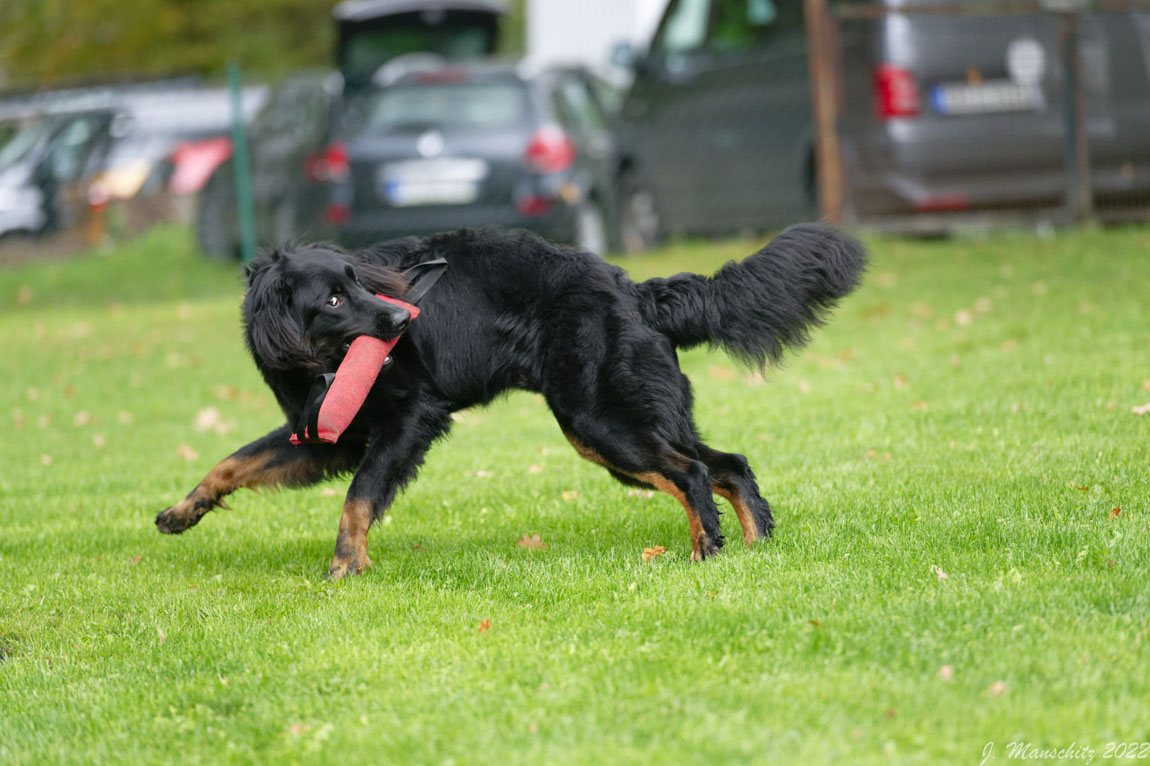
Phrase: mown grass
[945,463]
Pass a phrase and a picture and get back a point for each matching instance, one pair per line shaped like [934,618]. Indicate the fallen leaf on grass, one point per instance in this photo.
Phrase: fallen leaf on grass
[899,382]
[32,394]
[1115,513]
[1082,489]
[890,713]
[534,468]
[187,453]
[135,559]
[485,626]
[45,460]
[298,728]
[816,623]
[98,441]
[570,495]
[653,552]
[946,673]
[919,406]
[963,318]
[82,418]
[329,492]
[160,632]
[210,419]
[1146,385]
[534,542]
[996,689]
[1142,410]
[647,493]
[938,573]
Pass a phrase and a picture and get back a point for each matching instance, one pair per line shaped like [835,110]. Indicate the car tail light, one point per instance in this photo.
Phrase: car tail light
[534,204]
[337,213]
[550,150]
[896,92]
[331,165]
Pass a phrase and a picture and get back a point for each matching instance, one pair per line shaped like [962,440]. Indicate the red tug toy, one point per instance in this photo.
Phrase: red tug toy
[335,399]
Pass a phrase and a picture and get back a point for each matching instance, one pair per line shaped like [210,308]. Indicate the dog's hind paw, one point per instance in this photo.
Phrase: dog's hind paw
[353,565]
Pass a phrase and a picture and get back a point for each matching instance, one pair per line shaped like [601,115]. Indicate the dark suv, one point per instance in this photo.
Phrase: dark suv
[436,147]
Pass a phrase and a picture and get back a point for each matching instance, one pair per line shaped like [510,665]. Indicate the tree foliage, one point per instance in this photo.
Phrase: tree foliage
[47,42]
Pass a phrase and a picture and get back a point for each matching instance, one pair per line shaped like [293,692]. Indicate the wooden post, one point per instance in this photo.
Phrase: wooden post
[824,107]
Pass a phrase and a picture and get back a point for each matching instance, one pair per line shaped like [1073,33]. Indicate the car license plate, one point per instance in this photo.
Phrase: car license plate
[446,181]
[985,98]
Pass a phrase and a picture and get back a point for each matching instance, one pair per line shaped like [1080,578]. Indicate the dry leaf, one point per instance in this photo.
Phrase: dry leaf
[570,494]
[534,468]
[653,552]
[1142,410]
[946,673]
[483,474]
[160,632]
[98,441]
[647,493]
[32,394]
[1082,489]
[816,623]
[45,460]
[82,418]
[899,382]
[534,542]
[187,453]
[135,559]
[804,387]
[298,728]
[996,689]
[329,492]
[721,372]
[1115,513]
[963,318]
[485,626]
[919,406]
[1146,385]
[225,392]
[938,573]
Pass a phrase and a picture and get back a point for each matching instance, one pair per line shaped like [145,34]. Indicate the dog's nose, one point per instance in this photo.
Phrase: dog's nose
[400,319]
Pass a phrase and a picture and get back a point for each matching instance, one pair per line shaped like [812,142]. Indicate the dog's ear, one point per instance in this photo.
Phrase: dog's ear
[379,279]
[273,328]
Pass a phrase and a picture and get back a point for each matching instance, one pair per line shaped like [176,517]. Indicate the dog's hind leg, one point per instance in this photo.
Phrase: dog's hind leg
[270,461]
[392,460]
[667,470]
[733,479]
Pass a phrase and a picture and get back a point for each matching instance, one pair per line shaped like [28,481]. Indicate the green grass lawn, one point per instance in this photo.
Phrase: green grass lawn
[950,568]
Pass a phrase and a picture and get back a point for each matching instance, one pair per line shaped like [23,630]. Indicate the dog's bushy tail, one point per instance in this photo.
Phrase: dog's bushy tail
[763,305]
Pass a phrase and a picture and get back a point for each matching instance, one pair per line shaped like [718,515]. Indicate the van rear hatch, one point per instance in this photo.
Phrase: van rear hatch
[372,32]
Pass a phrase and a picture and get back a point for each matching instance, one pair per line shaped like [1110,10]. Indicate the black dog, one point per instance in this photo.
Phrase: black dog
[514,311]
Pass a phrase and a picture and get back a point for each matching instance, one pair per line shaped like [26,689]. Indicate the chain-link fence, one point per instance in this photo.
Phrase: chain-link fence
[936,114]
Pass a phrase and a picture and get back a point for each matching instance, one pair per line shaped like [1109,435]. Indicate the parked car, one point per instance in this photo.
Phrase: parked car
[286,141]
[436,147]
[372,32]
[942,112]
[44,156]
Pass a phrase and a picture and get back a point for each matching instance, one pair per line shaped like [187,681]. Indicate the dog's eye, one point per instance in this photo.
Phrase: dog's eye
[334,301]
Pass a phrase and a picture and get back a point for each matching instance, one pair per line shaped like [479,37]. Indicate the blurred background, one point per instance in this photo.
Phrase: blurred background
[611,124]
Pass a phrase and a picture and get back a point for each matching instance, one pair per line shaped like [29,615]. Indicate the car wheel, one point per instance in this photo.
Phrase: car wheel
[591,228]
[217,225]
[639,224]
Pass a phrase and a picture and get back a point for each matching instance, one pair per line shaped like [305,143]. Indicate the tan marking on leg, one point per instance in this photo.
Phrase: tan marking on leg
[746,519]
[659,482]
[663,484]
[351,545]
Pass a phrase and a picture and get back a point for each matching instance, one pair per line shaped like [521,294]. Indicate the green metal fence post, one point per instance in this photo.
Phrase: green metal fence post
[240,163]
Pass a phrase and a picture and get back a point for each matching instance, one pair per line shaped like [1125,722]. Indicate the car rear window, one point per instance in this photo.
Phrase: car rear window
[467,106]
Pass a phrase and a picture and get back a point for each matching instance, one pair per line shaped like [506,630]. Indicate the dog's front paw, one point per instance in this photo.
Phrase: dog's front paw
[184,514]
[348,565]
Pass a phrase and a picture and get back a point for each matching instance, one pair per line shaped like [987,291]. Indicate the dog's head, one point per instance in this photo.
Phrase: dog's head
[305,305]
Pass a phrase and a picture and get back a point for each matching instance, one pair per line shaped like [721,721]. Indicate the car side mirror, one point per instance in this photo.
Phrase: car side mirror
[626,56]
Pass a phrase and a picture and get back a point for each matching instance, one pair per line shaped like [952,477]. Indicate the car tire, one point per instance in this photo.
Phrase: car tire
[217,222]
[640,228]
[591,228]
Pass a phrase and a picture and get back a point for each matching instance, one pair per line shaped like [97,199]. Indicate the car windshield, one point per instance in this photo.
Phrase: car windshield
[458,106]
[25,139]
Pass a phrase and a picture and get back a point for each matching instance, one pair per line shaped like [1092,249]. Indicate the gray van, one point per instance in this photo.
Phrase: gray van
[942,112]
